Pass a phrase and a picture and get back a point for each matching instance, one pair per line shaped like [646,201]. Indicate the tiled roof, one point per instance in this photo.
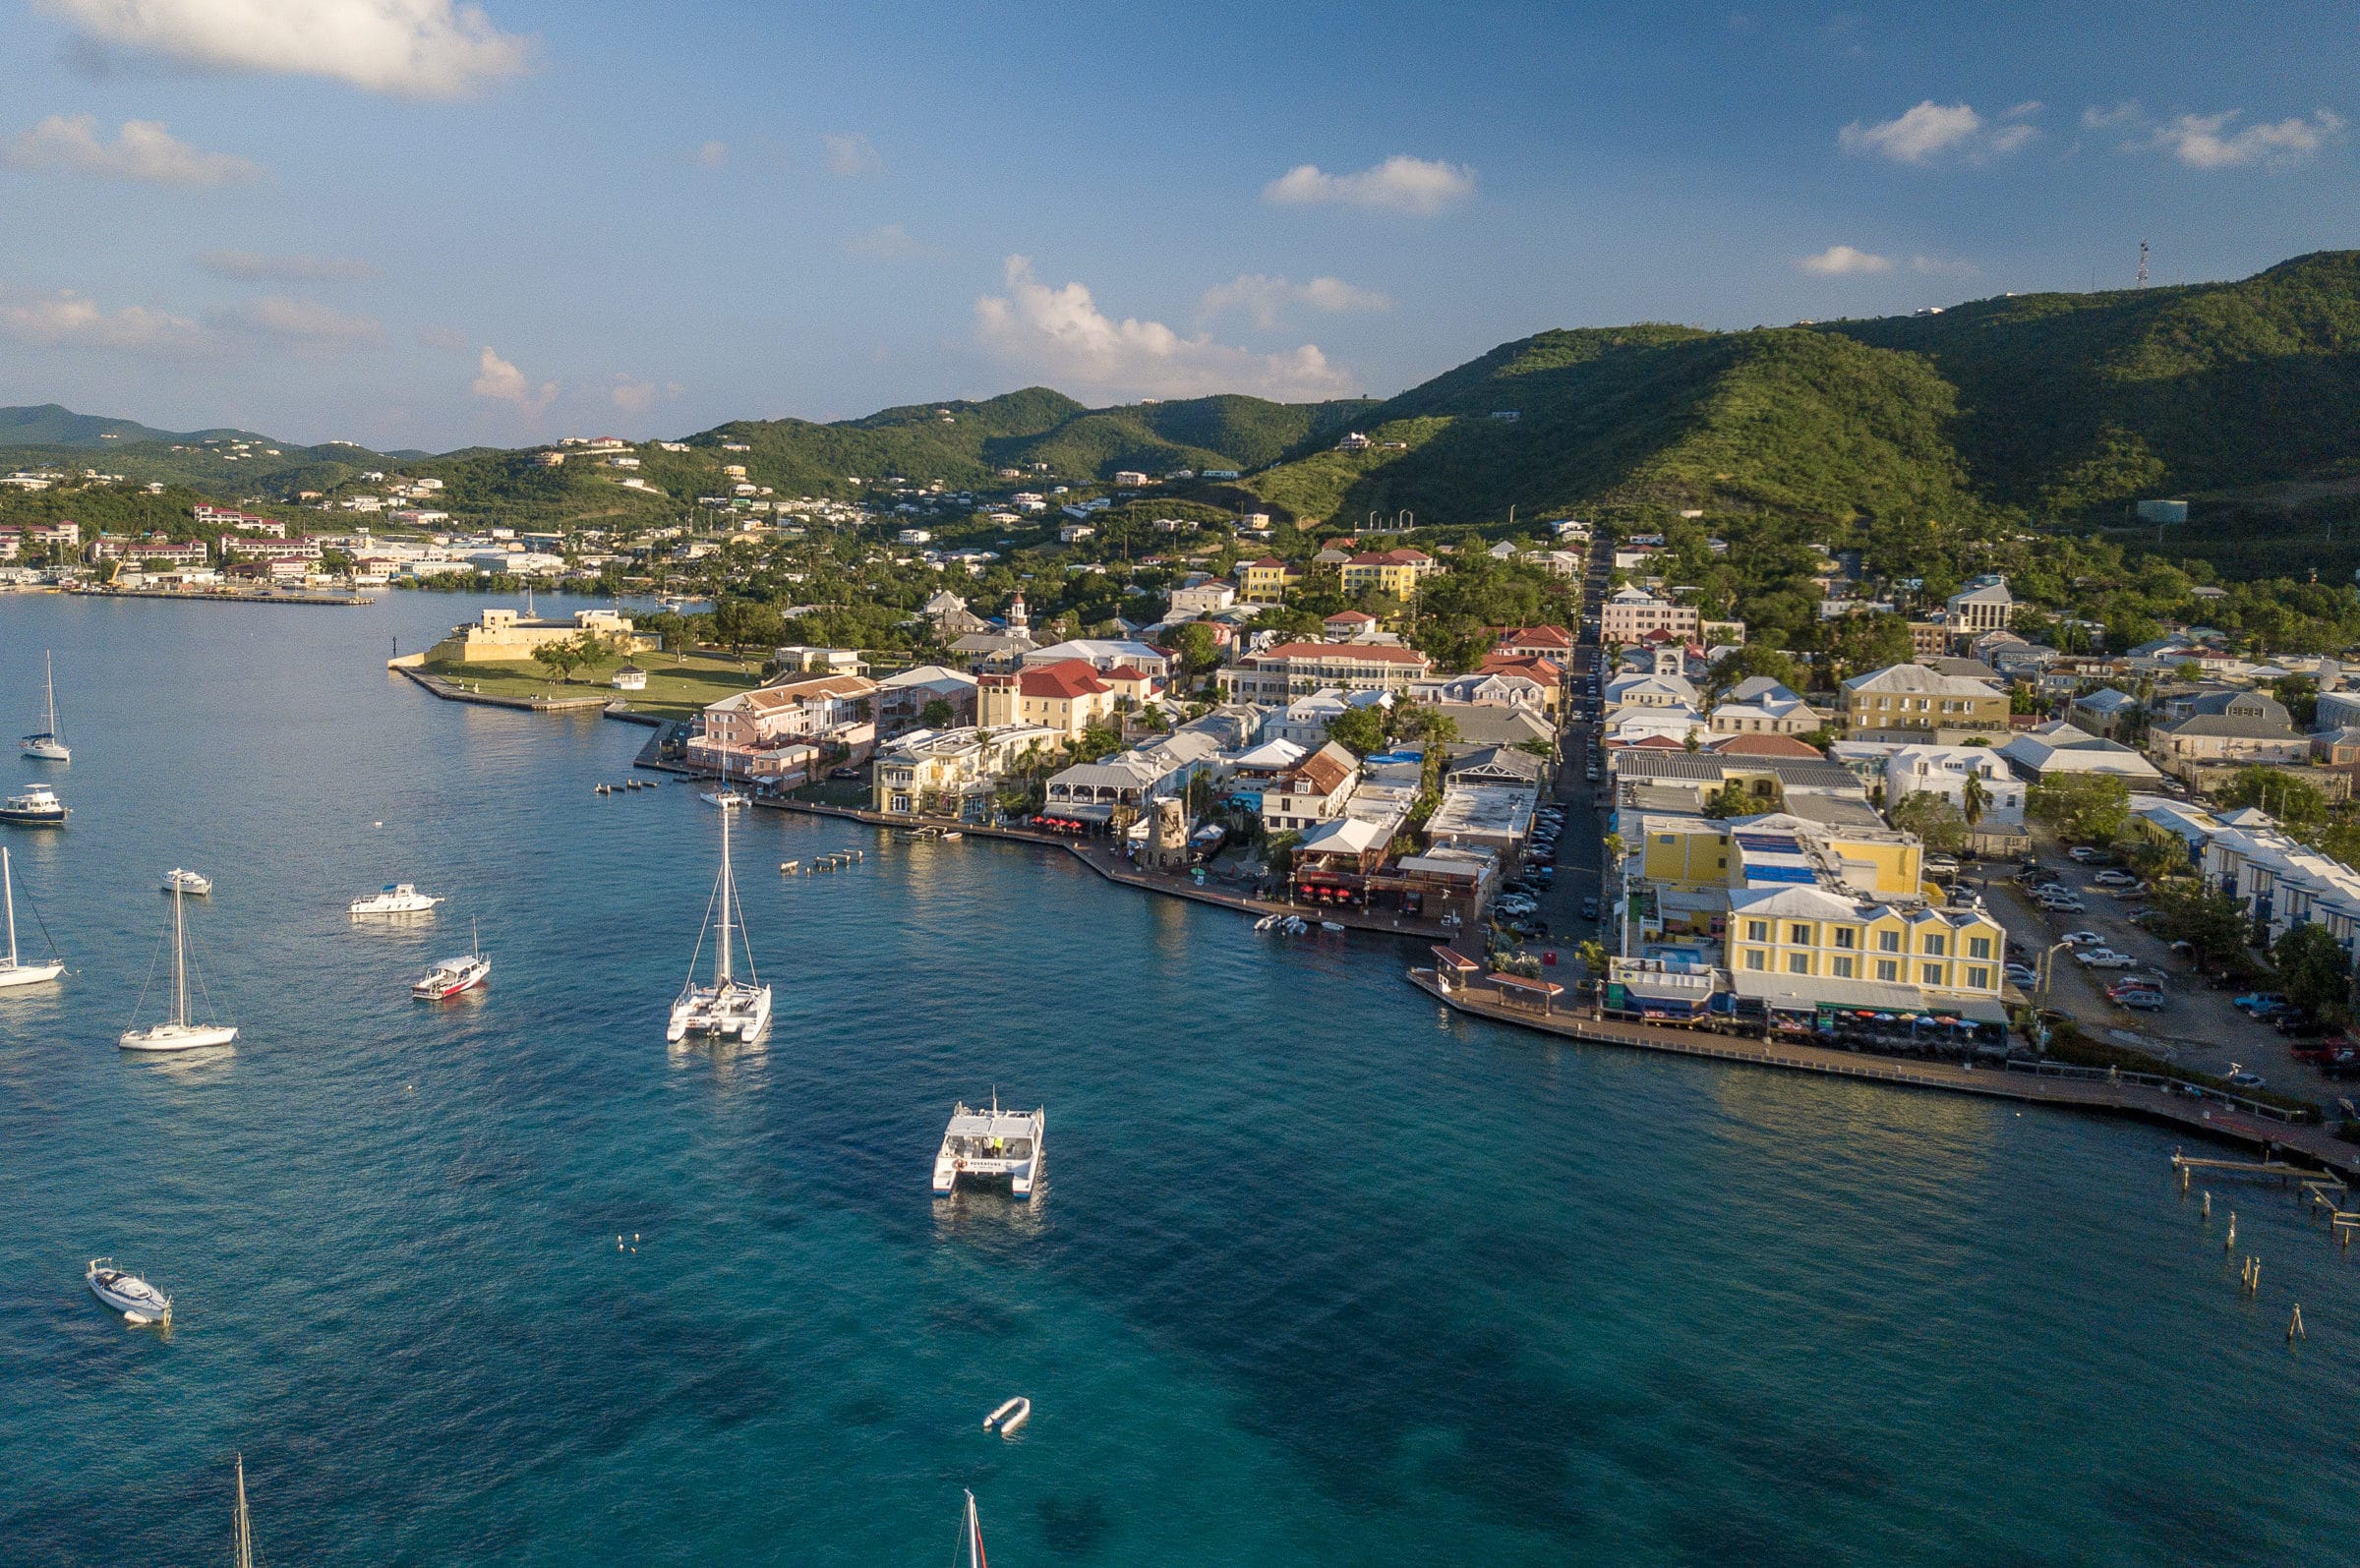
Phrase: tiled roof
[1068,678]
[1382,653]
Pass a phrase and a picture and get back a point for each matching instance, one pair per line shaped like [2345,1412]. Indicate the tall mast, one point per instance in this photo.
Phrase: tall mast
[8,895]
[180,966]
[728,894]
[49,666]
[244,1530]
[975,1535]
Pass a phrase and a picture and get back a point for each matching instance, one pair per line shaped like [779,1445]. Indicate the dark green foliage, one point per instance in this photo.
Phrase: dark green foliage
[1360,730]
[2313,970]
[2085,807]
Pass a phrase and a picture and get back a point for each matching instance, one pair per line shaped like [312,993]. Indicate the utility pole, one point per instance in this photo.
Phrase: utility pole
[2143,263]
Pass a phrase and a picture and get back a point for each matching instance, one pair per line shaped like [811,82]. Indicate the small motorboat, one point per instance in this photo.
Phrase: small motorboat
[195,884]
[1009,1416]
[394,898]
[36,808]
[137,1300]
[1330,925]
[451,976]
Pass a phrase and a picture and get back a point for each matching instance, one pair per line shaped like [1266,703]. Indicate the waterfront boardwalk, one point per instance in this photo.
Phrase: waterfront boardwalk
[2119,1094]
[1109,861]
[221,596]
[452,691]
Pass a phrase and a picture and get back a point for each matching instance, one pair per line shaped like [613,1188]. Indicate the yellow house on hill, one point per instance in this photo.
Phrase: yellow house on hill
[502,636]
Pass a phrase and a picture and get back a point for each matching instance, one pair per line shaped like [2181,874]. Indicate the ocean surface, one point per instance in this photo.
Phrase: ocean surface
[1318,1274]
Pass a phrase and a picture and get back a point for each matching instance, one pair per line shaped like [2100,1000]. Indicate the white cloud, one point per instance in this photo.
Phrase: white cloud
[447,339]
[142,150]
[503,383]
[1400,184]
[889,243]
[712,155]
[1837,261]
[2206,141]
[305,324]
[255,266]
[1266,298]
[2125,113]
[1933,131]
[852,157]
[68,319]
[1061,334]
[425,48]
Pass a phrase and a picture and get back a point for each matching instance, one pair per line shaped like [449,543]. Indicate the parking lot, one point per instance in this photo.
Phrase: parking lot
[2197,1027]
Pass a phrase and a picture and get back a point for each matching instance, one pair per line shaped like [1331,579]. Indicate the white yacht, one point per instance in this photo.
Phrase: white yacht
[127,1293]
[179,1032]
[45,742]
[730,1008]
[992,1142]
[35,807]
[14,972]
[196,884]
[394,898]
[451,976]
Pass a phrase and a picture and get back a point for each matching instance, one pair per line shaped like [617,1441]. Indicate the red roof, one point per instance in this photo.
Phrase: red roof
[1126,673]
[1538,637]
[1382,653]
[1651,744]
[1764,746]
[1268,561]
[1533,665]
[1067,678]
[1391,557]
[1355,616]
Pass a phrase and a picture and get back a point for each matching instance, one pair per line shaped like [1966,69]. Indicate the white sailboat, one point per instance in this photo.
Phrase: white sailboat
[14,971]
[44,743]
[729,1008]
[178,1033]
[137,1300]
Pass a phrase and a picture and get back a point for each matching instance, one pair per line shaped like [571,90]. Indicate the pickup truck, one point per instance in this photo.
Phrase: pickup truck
[2105,959]
[2257,1001]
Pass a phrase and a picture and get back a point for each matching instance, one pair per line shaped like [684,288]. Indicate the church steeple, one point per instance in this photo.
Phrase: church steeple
[1020,625]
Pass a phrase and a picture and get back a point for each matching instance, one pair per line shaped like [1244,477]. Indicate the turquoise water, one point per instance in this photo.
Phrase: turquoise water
[1318,1275]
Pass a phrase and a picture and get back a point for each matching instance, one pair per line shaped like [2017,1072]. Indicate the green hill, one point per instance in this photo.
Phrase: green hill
[2064,405]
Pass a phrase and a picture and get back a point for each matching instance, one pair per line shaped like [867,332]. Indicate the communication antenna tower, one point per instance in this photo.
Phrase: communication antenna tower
[2143,263]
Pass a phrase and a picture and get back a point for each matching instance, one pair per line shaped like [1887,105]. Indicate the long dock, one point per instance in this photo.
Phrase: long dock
[201,597]
[2098,1092]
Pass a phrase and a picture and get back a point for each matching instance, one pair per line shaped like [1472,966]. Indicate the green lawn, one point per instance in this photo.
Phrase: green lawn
[678,684]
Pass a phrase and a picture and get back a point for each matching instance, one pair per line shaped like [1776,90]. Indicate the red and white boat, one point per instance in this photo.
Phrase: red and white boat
[451,976]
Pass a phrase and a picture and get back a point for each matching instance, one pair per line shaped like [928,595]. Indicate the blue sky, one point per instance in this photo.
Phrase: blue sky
[413,224]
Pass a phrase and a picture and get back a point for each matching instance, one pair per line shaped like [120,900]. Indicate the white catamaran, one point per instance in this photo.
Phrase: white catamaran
[730,1008]
[178,1033]
[45,742]
[13,971]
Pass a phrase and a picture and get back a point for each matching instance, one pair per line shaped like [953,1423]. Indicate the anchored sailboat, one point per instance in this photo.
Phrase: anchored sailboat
[178,1033]
[13,972]
[45,743]
[730,1008]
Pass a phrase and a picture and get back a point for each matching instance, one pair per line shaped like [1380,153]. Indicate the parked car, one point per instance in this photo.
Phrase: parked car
[2081,939]
[2295,1027]
[2064,906]
[2247,1081]
[2256,1001]
[2115,879]
[2082,854]
[2023,974]
[1589,908]
[2140,999]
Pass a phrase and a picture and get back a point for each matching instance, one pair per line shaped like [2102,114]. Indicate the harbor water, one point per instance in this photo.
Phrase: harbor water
[1318,1274]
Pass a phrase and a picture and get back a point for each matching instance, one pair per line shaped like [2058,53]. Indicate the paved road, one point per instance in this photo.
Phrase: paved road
[2199,1029]
[1579,853]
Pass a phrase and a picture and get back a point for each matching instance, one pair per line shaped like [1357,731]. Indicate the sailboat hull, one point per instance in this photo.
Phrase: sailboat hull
[735,1013]
[178,1037]
[47,749]
[15,974]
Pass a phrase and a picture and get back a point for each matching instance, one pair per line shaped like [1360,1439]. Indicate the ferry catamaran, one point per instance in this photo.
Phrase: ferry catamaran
[14,971]
[451,976]
[993,1142]
[178,1032]
[394,898]
[44,742]
[729,1008]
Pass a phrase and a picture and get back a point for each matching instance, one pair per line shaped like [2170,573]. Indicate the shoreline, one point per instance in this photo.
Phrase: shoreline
[2113,1095]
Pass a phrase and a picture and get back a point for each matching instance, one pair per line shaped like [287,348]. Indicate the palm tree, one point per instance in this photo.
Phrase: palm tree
[1973,799]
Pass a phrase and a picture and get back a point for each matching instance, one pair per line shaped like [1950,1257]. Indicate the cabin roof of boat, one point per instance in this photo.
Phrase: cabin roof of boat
[982,1123]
